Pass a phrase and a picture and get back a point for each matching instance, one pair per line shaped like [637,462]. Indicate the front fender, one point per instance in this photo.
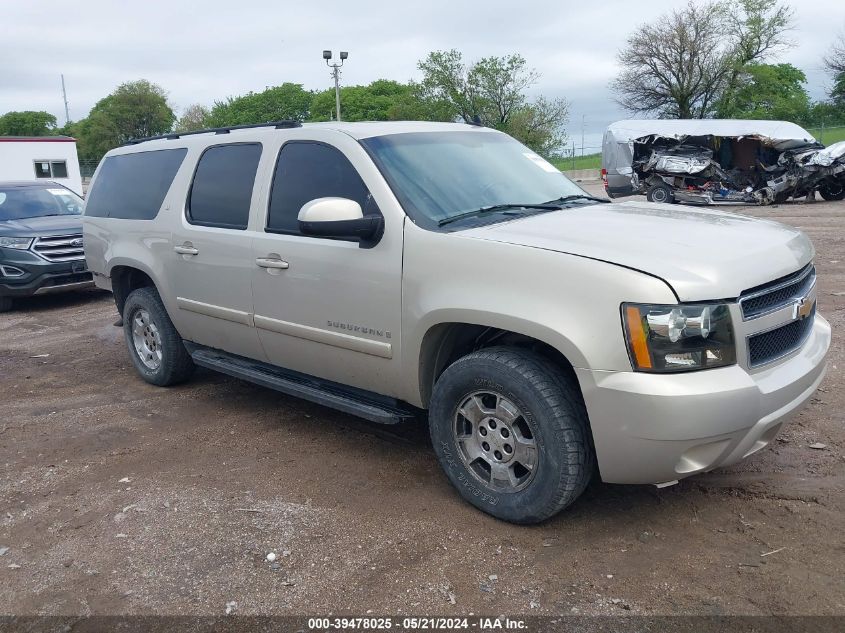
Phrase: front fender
[569,302]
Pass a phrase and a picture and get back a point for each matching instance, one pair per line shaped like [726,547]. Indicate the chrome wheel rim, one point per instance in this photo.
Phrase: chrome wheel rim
[495,441]
[659,195]
[146,339]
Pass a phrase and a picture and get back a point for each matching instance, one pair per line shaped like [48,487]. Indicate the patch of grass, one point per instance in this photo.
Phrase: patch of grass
[588,161]
[828,135]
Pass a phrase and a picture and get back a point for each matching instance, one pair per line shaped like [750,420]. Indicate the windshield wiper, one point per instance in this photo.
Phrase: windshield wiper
[497,208]
[577,196]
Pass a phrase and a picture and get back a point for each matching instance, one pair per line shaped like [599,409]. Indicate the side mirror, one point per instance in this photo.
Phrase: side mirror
[339,218]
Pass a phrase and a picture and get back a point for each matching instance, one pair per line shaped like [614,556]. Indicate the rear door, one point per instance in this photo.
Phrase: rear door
[212,259]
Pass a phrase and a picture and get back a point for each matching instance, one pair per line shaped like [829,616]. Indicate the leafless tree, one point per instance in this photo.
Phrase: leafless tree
[684,63]
[834,61]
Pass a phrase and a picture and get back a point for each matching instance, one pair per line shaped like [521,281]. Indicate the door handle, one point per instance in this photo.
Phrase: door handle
[186,249]
[269,262]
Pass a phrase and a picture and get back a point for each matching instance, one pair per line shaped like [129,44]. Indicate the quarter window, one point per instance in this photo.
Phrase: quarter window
[133,186]
[308,170]
[222,189]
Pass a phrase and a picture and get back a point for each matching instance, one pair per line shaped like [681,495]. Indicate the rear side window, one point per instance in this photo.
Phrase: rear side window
[222,188]
[308,170]
[133,186]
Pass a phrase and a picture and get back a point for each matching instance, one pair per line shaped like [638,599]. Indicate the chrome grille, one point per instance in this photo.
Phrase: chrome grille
[769,346]
[777,294]
[60,248]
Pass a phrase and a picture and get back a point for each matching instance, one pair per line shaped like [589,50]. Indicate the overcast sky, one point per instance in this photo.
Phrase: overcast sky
[206,50]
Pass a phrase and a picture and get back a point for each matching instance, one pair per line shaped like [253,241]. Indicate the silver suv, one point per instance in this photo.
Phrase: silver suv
[387,269]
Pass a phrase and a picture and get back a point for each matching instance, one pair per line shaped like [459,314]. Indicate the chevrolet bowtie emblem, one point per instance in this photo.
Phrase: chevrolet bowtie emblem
[803,308]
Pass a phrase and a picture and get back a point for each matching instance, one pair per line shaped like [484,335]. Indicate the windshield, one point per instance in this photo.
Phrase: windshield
[20,203]
[439,175]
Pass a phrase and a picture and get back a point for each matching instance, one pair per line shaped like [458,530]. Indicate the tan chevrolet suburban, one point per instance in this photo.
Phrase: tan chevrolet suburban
[387,269]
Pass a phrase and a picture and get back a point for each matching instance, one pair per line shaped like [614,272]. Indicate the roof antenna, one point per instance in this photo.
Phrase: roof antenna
[476,120]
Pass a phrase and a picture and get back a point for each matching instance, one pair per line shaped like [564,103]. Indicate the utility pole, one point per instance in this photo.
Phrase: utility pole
[327,55]
[64,96]
[583,123]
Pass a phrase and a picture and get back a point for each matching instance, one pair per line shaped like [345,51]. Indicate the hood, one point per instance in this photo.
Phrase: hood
[702,254]
[45,225]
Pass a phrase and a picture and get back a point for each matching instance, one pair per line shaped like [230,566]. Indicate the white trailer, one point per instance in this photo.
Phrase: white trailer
[40,157]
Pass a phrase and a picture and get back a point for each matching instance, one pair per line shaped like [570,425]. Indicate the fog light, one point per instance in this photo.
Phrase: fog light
[11,271]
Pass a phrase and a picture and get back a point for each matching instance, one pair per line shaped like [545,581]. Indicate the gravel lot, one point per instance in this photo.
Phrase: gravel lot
[121,498]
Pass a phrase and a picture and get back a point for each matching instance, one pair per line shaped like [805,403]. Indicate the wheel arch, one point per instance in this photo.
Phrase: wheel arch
[128,277]
[445,342]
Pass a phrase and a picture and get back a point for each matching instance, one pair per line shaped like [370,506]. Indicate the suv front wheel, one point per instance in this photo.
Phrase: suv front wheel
[511,432]
[155,347]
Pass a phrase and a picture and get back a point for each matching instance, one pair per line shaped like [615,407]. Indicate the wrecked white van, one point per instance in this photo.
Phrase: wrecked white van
[701,161]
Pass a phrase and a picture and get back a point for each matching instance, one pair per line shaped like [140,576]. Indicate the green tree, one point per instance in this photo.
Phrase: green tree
[493,90]
[374,102]
[195,117]
[768,91]
[288,101]
[826,114]
[27,123]
[416,105]
[134,110]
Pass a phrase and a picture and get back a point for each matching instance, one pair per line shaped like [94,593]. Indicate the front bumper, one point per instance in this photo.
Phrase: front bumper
[42,277]
[652,428]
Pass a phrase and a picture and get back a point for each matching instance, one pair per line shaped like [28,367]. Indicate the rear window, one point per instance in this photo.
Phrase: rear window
[133,186]
[222,189]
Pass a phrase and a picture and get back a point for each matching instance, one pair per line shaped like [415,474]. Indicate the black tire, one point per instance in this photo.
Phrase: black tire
[550,407]
[661,194]
[832,190]
[175,364]
[5,304]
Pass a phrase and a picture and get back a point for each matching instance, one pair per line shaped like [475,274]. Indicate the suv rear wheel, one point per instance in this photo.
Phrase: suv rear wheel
[510,430]
[155,347]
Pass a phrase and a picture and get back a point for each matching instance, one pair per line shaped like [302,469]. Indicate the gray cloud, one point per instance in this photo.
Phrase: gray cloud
[202,51]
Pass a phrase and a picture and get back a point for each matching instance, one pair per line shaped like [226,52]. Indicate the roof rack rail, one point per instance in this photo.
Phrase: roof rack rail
[279,125]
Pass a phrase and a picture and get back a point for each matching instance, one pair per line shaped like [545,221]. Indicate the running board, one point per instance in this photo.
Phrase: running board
[363,404]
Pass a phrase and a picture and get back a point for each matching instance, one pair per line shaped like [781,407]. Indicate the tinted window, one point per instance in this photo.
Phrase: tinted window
[222,188]
[306,171]
[133,186]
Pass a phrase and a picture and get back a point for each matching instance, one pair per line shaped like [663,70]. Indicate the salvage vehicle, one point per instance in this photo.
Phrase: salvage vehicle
[702,161]
[393,270]
[40,241]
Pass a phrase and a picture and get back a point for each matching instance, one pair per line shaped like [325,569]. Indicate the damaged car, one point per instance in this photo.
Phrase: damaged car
[705,161]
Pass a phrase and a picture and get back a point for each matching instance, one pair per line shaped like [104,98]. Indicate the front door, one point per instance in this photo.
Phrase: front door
[326,307]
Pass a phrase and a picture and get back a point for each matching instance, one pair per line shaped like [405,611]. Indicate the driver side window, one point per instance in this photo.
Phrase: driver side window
[306,170]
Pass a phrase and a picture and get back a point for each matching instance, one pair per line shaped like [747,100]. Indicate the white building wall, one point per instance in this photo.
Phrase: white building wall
[18,157]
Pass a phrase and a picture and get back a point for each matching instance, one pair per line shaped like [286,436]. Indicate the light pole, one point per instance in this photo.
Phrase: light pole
[327,55]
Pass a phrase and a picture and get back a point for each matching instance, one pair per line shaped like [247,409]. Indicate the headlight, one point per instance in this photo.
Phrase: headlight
[673,338]
[20,243]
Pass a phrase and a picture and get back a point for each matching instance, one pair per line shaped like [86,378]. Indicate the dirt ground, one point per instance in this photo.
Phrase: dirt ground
[121,498]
